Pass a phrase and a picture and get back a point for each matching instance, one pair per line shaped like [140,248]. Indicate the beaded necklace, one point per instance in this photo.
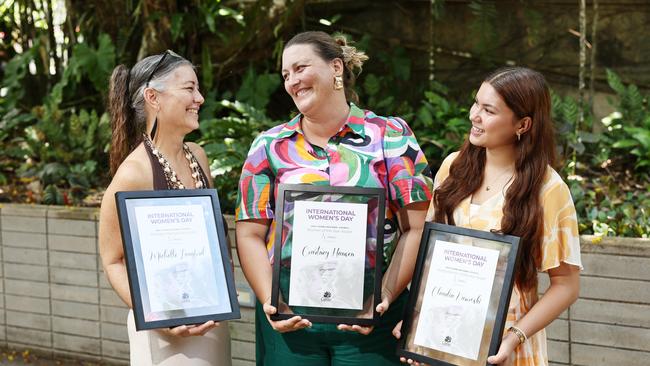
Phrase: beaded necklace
[173,182]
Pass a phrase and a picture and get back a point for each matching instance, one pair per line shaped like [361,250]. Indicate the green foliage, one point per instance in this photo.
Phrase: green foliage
[57,137]
[440,125]
[392,79]
[226,141]
[607,208]
[13,120]
[15,72]
[256,89]
[606,162]
[630,124]
[64,141]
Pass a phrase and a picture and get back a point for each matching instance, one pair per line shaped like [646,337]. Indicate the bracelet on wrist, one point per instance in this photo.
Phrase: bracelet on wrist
[519,333]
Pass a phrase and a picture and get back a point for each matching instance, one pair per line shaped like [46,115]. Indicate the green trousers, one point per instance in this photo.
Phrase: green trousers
[323,344]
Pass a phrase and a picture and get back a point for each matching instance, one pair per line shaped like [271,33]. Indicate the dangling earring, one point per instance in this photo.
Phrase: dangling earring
[154,127]
[338,82]
[518,136]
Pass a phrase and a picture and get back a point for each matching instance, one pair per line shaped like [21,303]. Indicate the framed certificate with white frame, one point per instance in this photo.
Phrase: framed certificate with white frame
[177,260]
[328,253]
[459,296]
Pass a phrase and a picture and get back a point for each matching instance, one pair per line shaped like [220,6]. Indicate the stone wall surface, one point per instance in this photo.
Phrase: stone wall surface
[55,300]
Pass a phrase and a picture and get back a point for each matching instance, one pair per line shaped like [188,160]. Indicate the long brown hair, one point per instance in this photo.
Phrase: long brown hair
[526,93]
[332,47]
[126,101]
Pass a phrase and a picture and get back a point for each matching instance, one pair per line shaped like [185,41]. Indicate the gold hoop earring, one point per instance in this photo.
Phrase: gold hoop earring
[338,82]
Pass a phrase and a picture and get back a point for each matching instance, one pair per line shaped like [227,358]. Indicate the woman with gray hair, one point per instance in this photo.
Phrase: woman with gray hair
[152,107]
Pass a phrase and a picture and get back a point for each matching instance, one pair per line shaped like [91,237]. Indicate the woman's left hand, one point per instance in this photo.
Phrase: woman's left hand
[365,330]
[191,330]
[508,345]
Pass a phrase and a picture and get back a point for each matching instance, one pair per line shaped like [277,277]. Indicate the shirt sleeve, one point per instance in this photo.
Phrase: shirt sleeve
[256,184]
[561,239]
[405,164]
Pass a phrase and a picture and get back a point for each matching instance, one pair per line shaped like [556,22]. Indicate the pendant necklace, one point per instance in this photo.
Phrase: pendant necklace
[173,182]
[487,186]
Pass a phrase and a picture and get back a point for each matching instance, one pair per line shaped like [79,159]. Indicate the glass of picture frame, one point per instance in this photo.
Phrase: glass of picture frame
[176,255]
[328,253]
[459,296]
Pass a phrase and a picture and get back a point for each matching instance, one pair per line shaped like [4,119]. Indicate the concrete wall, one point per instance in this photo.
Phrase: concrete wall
[55,300]
[610,322]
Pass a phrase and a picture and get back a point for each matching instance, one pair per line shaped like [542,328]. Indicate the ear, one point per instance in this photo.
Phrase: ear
[337,66]
[524,125]
[151,98]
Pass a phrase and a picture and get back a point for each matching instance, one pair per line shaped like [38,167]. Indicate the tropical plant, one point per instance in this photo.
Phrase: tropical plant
[440,125]
[67,138]
[630,124]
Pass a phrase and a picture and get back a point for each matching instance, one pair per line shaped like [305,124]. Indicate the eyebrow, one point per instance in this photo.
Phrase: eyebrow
[294,64]
[484,104]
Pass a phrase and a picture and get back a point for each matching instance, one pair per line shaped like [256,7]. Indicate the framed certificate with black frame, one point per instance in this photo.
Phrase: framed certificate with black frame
[177,259]
[459,296]
[328,253]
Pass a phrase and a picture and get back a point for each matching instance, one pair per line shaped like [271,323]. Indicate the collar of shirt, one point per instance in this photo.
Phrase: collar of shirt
[355,122]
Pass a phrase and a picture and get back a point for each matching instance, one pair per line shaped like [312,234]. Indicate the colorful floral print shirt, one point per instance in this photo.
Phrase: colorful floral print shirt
[368,151]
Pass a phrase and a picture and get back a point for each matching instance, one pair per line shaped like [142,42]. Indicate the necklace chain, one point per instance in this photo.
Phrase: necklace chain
[171,177]
[487,186]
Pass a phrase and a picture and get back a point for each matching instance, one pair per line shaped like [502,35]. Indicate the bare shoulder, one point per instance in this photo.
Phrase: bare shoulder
[450,158]
[134,173]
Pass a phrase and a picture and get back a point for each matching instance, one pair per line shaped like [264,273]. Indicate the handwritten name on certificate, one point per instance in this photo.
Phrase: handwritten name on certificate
[178,265]
[328,254]
[456,299]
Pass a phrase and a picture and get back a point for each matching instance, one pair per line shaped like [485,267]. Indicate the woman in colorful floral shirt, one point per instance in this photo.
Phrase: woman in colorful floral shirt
[332,142]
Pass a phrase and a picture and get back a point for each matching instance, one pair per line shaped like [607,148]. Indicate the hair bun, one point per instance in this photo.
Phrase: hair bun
[352,58]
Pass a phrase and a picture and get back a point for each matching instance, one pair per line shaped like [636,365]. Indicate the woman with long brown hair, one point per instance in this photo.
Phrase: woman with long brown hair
[502,180]
[153,106]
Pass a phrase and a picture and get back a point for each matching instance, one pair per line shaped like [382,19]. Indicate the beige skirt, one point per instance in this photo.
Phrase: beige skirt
[151,347]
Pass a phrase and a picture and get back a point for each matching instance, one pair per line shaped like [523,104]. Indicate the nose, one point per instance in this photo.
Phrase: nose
[292,79]
[198,98]
[473,113]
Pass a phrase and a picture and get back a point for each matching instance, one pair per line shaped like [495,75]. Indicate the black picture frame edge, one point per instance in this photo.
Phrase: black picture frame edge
[129,256]
[504,299]
[277,250]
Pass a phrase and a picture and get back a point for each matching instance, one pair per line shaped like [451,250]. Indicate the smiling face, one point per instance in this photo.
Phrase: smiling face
[494,124]
[180,100]
[309,79]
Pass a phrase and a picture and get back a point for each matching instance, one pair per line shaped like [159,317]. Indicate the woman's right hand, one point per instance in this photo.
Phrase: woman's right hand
[397,333]
[190,330]
[283,326]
